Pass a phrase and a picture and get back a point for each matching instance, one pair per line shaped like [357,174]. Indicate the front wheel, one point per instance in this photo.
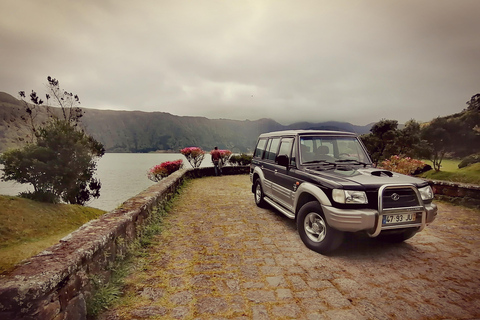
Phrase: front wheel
[314,230]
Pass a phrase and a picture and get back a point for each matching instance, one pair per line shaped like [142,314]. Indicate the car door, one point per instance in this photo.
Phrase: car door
[283,182]
[268,166]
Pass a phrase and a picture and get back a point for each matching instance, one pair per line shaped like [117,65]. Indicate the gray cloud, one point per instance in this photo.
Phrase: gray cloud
[287,60]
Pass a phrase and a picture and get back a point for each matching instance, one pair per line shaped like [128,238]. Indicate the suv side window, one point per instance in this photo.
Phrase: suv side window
[285,147]
[260,148]
[293,157]
[272,150]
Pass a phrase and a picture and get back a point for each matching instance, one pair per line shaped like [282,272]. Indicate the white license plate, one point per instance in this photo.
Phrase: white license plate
[399,218]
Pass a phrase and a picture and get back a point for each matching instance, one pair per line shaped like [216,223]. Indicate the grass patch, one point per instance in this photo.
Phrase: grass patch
[107,294]
[450,172]
[28,227]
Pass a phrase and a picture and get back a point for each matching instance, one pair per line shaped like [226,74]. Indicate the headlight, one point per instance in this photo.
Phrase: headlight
[349,196]
[426,193]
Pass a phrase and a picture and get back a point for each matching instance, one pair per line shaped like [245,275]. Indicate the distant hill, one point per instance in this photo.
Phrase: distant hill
[136,131]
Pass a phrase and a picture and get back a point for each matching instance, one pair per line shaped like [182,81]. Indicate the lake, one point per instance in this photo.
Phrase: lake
[123,175]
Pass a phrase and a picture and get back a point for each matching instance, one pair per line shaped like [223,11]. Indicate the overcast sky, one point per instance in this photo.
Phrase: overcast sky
[357,61]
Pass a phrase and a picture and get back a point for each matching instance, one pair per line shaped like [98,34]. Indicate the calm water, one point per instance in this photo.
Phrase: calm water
[123,175]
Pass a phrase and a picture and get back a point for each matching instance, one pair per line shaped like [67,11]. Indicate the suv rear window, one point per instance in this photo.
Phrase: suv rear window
[260,148]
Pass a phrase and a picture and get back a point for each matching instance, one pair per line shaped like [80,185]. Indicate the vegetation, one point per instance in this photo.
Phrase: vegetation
[451,172]
[240,160]
[60,160]
[164,169]
[194,156]
[469,160]
[402,165]
[455,136]
[108,292]
[28,227]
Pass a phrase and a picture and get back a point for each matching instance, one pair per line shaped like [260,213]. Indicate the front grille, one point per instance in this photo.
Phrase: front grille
[399,197]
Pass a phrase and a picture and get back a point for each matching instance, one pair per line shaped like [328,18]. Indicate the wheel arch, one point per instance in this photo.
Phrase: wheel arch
[308,192]
[257,174]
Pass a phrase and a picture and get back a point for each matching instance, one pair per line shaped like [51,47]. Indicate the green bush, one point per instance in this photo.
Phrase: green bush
[471,159]
[40,195]
[240,159]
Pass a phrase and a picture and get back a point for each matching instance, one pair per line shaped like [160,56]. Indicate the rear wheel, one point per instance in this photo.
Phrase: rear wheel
[314,230]
[258,194]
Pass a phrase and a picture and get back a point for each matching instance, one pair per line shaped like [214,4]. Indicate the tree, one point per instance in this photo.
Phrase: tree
[439,134]
[61,160]
[474,103]
[381,141]
[410,142]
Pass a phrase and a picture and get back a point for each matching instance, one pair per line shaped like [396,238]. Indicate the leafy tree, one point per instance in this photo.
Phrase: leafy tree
[61,160]
[439,134]
[410,142]
[381,141]
[474,103]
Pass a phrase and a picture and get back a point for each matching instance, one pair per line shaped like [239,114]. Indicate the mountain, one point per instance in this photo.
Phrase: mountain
[137,131]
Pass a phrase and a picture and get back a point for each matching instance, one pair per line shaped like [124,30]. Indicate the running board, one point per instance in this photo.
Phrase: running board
[279,208]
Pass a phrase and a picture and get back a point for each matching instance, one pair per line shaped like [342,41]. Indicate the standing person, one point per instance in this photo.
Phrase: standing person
[216,158]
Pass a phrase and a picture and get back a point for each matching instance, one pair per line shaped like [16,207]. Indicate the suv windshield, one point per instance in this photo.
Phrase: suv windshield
[327,149]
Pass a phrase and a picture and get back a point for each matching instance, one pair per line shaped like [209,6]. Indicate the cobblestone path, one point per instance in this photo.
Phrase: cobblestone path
[221,257]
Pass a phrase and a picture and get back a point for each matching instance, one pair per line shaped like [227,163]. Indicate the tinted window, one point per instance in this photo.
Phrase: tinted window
[260,148]
[285,146]
[272,150]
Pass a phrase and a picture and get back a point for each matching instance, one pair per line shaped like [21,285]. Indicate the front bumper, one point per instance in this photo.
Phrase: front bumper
[370,220]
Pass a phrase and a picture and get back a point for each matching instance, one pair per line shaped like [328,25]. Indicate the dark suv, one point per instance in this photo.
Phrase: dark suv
[325,180]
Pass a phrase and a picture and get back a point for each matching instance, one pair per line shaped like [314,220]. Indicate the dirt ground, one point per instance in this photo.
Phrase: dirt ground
[221,257]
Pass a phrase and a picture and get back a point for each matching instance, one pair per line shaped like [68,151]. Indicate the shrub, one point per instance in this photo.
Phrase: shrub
[164,169]
[224,155]
[40,195]
[240,159]
[471,159]
[194,156]
[403,165]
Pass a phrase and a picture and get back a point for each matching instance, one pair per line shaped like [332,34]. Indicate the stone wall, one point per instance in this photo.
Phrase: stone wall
[56,283]
[458,193]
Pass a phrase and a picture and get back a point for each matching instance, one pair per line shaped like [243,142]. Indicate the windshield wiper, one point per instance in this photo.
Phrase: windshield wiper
[319,161]
[353,160]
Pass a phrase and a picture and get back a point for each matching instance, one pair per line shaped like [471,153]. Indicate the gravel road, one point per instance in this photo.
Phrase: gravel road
[221,257]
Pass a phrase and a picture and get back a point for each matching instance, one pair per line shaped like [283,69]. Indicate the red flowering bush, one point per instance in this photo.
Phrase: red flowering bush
[225,155]
[164,169]
[402,165]
[194,156]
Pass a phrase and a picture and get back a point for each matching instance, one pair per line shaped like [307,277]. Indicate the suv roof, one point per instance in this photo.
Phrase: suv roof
[301,132]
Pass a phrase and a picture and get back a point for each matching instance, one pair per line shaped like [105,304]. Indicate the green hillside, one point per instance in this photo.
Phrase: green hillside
[136,131]
[28,227]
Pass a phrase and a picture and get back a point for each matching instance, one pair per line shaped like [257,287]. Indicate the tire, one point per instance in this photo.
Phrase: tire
[314,230]
[397,236]
[258,194]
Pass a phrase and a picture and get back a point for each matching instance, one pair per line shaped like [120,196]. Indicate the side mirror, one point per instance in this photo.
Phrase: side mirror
[282,160]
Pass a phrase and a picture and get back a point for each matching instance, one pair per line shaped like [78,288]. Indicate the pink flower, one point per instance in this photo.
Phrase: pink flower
[164,169]
[194,155]
[405,165]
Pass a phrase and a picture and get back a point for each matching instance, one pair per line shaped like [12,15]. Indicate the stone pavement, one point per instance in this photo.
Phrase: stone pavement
[221,257]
